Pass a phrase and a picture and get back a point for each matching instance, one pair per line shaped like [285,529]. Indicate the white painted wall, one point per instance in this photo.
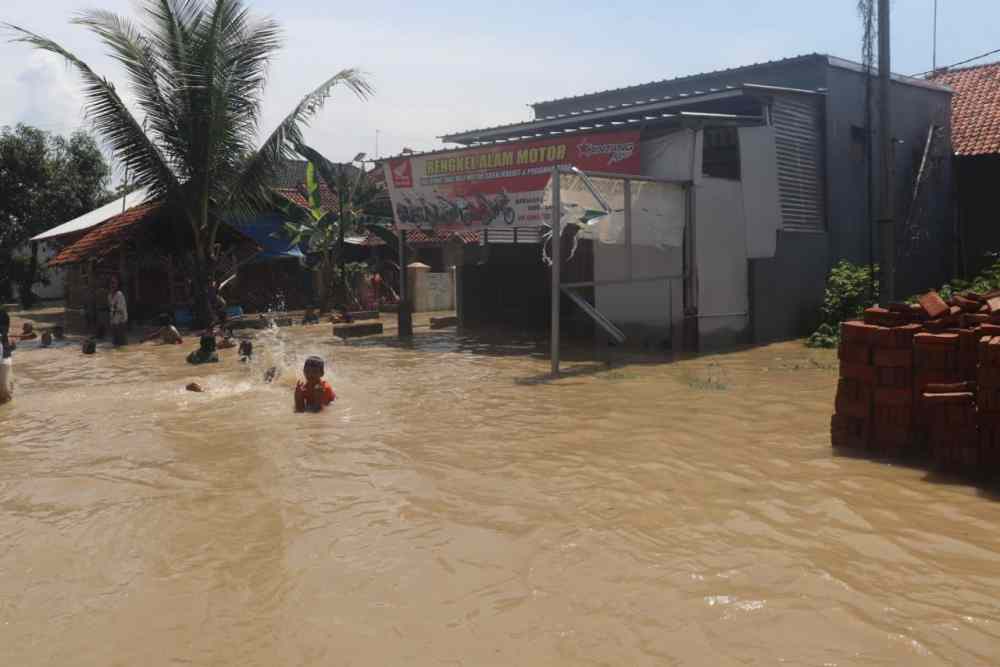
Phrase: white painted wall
[721,255]
[759,166]
[56,287]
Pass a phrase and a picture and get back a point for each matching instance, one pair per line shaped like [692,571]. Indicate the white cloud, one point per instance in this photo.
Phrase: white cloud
[45,94]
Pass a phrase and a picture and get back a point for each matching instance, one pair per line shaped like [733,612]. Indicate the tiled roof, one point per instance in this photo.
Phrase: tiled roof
[107,237]
[975,108]
[297,195]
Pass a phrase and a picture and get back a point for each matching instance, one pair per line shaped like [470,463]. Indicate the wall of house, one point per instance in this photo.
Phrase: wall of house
[978,213]
[57,284]
[926,247]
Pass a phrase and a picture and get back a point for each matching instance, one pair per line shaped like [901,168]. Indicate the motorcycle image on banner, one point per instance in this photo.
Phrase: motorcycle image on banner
[501,185]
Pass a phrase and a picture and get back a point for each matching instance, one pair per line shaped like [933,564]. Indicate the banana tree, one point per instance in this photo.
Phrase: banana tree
[360,206]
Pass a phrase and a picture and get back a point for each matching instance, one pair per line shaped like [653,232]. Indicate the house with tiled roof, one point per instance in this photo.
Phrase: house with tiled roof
[975,119]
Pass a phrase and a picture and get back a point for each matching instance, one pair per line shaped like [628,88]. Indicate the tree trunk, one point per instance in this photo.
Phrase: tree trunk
[324,286]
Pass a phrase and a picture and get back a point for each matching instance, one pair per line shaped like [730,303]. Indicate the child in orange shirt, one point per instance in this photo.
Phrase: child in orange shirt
[314,393]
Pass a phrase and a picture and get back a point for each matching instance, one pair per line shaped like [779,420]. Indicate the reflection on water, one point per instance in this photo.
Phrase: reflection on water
[454,508]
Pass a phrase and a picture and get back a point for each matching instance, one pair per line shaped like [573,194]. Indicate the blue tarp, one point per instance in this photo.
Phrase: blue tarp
[268,231]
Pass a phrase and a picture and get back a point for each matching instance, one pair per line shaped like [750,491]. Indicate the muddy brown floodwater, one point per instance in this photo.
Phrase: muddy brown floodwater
[453,509]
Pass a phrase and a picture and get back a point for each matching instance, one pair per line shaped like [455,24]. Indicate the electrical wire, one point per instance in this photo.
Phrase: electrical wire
[961,62]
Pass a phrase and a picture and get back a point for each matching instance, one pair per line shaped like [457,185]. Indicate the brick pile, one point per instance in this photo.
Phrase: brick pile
[850,426]
[988,401]
[923,379]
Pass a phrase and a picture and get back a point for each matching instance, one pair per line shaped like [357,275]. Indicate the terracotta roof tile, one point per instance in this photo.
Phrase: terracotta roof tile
[106,237]
[975,108]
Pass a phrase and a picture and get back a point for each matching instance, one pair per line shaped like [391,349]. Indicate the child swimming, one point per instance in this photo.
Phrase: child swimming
[205,354]
[167,333]
[314,393]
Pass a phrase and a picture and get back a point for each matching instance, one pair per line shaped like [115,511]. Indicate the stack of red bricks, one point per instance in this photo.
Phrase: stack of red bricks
[989,402]
[908,378]
[893,426]
[851,424]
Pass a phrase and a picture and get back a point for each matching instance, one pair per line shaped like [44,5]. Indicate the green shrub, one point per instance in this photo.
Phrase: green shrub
[848,293]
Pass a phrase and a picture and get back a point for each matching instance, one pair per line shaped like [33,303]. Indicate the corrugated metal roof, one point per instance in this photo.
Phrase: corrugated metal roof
[609,118]
[95,217]
[833,61]
[639,86]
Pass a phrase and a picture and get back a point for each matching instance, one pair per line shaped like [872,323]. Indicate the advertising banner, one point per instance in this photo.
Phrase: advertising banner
[499,185]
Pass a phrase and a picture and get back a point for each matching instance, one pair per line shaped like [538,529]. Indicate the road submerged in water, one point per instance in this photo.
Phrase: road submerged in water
[454,507]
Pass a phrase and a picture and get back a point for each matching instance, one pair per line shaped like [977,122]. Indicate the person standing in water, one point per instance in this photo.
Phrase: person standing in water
[6,360]
[314,393]
[119,313]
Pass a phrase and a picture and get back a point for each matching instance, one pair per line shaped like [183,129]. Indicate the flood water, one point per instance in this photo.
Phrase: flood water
[454,509]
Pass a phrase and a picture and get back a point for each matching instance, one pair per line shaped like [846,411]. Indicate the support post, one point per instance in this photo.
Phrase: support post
[628,229]
[404,315]
[887,231]
[556,265]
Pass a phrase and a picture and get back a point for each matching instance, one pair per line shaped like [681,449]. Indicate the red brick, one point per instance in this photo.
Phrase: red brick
[885,318]
[894,377]
[988,376]
[895,337]
[949,388]
[890,358]
[854,399]
[942,339]
[858,372]
[849,432]
[970,320]
[854,353]
[993,303]
[933,304]
[967,305]
[893,396]
[935,358]
[855,331]
[989,330]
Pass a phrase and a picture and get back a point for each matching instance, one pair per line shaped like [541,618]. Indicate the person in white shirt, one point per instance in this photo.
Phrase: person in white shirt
[119,314]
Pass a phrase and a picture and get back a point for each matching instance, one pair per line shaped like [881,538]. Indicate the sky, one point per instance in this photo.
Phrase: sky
[442,66]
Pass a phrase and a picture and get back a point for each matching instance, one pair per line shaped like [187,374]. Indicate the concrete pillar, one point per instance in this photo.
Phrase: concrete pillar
[415,273]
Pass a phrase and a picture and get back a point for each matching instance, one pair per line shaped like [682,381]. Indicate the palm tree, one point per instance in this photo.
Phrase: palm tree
[197,70]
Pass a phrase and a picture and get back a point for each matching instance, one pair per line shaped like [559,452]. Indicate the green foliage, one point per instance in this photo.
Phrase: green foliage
[45,180]
[848,293]
[987,281]
[21,274]
[825,336]
[197,69]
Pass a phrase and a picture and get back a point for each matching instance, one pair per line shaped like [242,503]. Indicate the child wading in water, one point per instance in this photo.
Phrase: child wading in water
[314,393]
[205,353]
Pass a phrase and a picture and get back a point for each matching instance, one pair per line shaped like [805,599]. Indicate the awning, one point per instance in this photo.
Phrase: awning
[268,231]
[95,217]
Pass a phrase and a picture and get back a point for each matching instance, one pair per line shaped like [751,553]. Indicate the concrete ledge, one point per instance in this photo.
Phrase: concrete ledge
[357,330]
[364,314]
[444,322]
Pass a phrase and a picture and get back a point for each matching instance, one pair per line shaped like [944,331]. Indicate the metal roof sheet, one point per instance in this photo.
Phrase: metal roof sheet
[95,217]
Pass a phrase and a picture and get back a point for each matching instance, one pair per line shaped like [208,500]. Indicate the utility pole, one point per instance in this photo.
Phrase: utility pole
[887,232]
[934,49]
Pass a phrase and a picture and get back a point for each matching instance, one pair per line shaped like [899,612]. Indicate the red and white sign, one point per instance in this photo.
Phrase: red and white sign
[499,185]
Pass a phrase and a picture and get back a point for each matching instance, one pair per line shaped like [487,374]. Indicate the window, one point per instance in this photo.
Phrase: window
[721,153]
